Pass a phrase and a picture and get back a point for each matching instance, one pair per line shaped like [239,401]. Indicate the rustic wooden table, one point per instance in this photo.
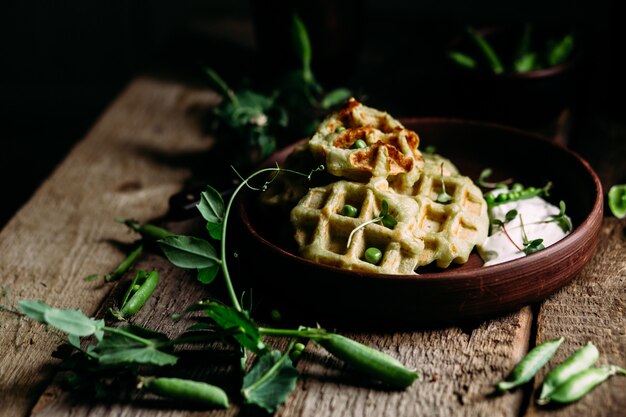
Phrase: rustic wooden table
[129,164]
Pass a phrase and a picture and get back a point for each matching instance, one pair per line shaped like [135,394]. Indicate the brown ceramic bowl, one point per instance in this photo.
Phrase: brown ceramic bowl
[530,99]
[459,293]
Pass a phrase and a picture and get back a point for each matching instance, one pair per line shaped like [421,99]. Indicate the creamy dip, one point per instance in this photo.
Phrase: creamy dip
[536,213]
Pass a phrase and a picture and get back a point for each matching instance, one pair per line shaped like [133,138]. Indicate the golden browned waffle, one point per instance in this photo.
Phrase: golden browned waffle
[426,231]
[389,150]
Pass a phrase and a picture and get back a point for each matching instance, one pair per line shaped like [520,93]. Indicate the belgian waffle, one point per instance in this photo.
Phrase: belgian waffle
[322,232]
[426,232]
[390,149]
[449,231]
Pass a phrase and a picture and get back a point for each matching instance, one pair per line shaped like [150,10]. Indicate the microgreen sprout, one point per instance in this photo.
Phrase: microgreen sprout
[443,197]
[530,246]
[561,219]
[509,216]
[486,173]
[384,217]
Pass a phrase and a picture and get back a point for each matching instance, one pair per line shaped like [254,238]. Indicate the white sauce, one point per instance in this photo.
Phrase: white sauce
[497,248]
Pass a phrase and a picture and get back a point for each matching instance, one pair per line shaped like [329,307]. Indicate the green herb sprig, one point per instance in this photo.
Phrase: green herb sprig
[530,246]
[525,57]
[257,121]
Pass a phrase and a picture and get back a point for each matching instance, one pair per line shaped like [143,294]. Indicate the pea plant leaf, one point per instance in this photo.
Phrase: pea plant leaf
[73,322]
[302,46]
[189,252]
[215,230]
[335,97]
[207,275]
[135,345]
[220,84]
[228,318]
[270,381]
[34,309]
[211,205]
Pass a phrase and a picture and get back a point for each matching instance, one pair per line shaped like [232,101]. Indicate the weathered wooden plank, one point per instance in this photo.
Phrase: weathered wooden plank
[592,308]
[62,234]
[459,368]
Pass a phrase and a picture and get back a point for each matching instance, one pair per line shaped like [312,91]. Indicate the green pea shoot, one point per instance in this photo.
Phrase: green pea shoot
[443,197]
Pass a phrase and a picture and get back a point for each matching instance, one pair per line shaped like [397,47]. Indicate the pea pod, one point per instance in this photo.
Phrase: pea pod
[149,231]
[583,382]
[515,195]
[140,289]
[526,369]
[617,200]
[580,360]
[492,58]
[367,360]
[125,264]
[187,390]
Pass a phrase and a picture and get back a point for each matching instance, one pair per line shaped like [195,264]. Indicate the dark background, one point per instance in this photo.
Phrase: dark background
[63,62]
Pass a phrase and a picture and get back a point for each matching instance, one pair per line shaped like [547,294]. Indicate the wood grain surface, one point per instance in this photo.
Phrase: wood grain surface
[128,165]
[65,232]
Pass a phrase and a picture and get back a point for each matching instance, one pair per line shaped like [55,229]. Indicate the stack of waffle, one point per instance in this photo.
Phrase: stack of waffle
[428,228]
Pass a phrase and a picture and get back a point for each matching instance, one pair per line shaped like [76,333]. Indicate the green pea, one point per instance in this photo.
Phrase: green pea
[135,297]
[296,351]
[373,255]
[359,144]
[389,221]
[500,198]
[490,199]
[517,187]
[526,369]
[580,360]
[350,211]
[368,361]
[339,129]
[187,390]
[583,382]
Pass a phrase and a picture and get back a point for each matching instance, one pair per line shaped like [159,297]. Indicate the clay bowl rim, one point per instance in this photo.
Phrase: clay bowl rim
[590,225]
